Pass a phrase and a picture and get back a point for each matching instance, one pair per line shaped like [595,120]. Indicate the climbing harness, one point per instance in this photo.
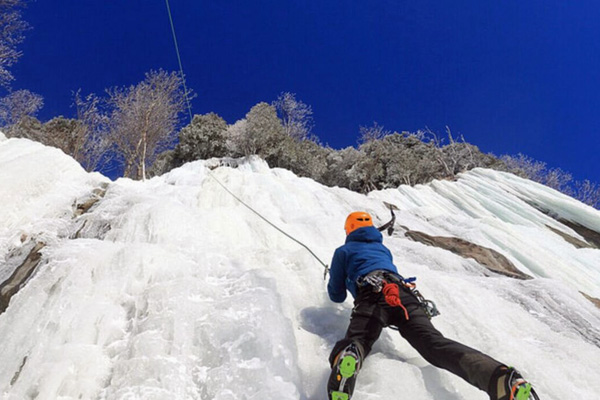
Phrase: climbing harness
[389,283]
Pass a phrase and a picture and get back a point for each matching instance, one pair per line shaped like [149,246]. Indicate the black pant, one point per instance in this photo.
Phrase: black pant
[371,314]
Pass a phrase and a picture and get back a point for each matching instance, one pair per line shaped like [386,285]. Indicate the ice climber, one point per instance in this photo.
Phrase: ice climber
[364,266]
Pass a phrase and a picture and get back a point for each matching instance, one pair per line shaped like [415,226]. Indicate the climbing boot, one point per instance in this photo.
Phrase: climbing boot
[512,386]
[343,373]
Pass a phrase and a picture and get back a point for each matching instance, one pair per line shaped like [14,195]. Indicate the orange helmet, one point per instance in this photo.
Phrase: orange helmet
[356,220]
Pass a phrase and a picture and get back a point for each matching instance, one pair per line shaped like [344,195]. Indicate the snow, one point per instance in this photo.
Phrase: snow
[172,289]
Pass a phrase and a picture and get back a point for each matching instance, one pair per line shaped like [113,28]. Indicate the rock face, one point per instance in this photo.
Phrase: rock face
[19,276]
[591,236]
[25,269]
[83,205]
[580,244]
[594,300]
[489,258]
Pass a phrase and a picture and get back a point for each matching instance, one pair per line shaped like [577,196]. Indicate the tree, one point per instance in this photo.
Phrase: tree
[524,166]
[559,180]
[296,116]
[92,132]
[61,132]
[29,128]
[163,163]
[11,35]
[538,171]
[237,140]
[203,138]
[15,108]
[304,158]
[144,118]
[588,193]
[371,133]
[409,159]
[85,138]
[368,173]
[265,131]
[339,163]
[260,133]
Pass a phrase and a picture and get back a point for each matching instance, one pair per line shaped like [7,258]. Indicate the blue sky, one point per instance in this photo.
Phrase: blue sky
[510,76]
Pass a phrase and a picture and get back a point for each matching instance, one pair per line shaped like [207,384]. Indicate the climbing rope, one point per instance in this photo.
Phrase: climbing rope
[187,99]
[214,177]
[270,223]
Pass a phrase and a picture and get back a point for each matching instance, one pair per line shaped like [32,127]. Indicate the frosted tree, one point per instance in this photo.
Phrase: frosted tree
[16,108]
[260,133]
[12,27]
[144,118]
[203,138]
[236,139]
[588,193]
[538,171]
[371,133]
[92,132]
[61,132]
[368,173]
[525,166]
[163,163]
[84,137]
[295,115]
[311,160]
[265,131]
[18,112]
[559,180]
[305,158]
[264,128]
[408,159]
[339,164]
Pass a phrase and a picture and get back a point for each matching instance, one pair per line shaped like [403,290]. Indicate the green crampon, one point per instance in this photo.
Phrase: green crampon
[523,392]
[339,396]
[348,367]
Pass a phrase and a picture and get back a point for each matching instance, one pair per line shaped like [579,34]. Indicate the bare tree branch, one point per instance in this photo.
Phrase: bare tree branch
[12,27]
[296,116]
[144,118]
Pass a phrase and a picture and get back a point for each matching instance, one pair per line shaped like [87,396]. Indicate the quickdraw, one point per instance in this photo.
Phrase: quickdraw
[429,306]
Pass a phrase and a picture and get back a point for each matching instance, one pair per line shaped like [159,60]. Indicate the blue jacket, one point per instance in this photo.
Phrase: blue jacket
[362,253]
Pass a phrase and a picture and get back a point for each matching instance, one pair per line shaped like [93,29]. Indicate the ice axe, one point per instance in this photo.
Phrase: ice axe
[390,224]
